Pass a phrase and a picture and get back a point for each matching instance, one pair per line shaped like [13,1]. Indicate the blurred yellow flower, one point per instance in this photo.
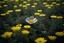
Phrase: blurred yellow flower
[18,10]
[6,35]
[59,17]
[16,0]
[42,15]
[53,2]
[40,40]
[57,4]
[52,37]
[39,10]
[24,6]
[28,4]
[44,3]
[5,5]
[10,11]
[35,3]
[25,32]
[53,16]
[37,13]
[33,6]
[3,14]
[49,7]
[19,25]
[59,33]
[24,2]
[15,6]
[7,13]
[27,26]
[20,5]
[16,28]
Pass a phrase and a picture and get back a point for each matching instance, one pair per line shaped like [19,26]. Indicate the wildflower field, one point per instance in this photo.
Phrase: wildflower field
[31,21]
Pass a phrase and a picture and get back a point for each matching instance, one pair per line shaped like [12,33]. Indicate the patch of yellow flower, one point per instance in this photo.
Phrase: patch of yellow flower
[33,6]
[3,14]
[42,15]
[10,11]
[28,4]
[16,28]
[24,2]
[53,2]
[37,14]
[25,32]
[39,10]
[6,35]
[59,17]
[35,3]
[15,6]
[44,3]
[5,5]
[27,26]
[53,16]
[18,10]
[52,37]
[57,4]
[19,25]
[20,5]
[59,33]
[16,0]
[40,40]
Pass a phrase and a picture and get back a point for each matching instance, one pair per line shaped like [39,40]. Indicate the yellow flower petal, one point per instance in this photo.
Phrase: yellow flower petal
[52,37]
[25,32]
[59,33]
[27,26]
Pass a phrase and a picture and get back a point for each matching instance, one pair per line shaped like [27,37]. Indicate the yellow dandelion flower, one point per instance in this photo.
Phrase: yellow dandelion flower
[24,2]
[44,3]
[5,5]
[53,16]
[6,35]
[53,2]
[10,11]
[16,28]
[40,40]
[24,6]
[52,37]
[57,4]
[18,10]
[59,33]
[3,14]
[16,0]
[25,32]
[39,10]
[59,17]
[27,26]
[7,13]
[15,6]
[33,6]
[42,15]
[37,13]
[20,5]
[19,25]
[35,3]
[28,4]
[49,7]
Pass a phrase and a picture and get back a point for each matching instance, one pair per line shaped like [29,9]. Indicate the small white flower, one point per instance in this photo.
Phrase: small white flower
[31,20]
